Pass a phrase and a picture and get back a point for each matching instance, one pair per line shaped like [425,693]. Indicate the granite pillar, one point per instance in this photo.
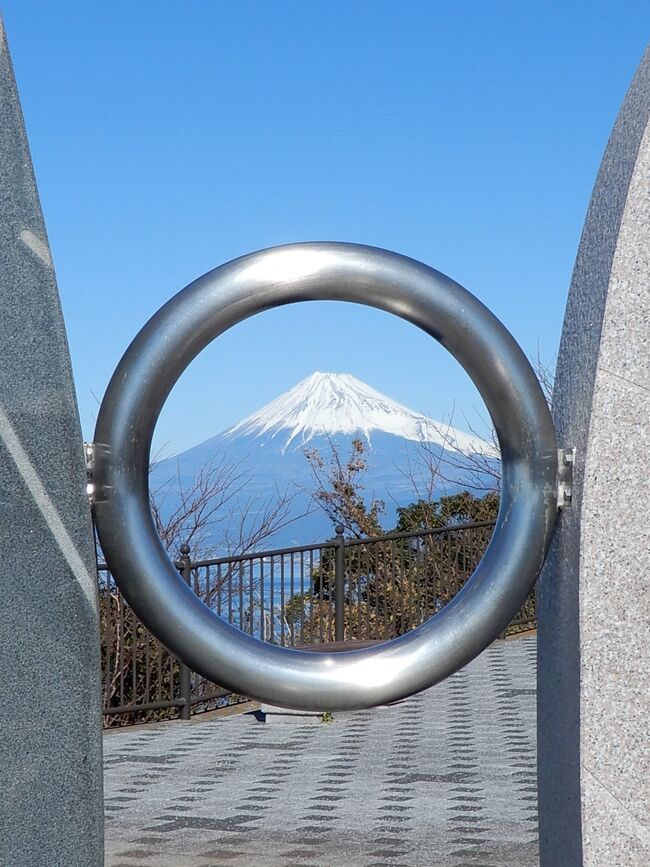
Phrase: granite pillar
[594,593]
[50,723]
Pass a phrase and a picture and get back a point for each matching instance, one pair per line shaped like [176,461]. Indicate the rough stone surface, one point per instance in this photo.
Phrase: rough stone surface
[445,778]
[594,594]
[50,725]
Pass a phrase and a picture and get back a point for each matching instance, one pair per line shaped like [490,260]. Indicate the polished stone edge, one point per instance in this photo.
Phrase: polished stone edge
[51,805]
[558,599]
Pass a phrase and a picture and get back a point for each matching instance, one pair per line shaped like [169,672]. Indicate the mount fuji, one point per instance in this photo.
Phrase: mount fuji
[339,403]
[323,411]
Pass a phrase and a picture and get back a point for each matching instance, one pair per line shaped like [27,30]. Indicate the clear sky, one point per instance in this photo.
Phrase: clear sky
[170,137]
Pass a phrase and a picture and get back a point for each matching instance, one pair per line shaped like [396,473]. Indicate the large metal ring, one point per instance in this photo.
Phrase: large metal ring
[311,272]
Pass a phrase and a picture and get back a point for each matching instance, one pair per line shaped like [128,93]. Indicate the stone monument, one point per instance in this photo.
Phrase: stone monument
[51,810]
[594,593]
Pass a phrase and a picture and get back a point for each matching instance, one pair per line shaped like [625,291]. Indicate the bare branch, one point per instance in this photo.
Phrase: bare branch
[476,470]
[210,512]
[338,489]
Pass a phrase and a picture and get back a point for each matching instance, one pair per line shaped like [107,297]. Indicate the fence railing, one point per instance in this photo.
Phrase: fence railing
[370,589]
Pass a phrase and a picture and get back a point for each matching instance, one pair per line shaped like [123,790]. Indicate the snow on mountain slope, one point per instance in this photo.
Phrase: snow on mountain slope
[339,403]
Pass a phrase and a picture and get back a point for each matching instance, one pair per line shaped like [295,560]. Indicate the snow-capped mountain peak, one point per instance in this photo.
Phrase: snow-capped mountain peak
[339,403]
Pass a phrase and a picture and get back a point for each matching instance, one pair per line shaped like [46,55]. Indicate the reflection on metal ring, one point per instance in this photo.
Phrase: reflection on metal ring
[311,272]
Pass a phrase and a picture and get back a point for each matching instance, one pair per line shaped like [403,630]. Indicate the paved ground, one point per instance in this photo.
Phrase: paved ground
[445,778]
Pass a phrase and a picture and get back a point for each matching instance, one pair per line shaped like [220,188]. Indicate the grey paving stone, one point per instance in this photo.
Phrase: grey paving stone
[446,778]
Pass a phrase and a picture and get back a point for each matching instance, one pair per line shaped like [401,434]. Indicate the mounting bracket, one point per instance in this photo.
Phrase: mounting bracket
[566,459]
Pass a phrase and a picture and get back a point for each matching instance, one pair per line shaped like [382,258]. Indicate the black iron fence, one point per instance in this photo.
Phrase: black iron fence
[371,589]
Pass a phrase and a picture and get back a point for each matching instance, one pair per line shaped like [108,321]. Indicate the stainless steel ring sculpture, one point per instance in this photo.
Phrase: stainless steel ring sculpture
[308,272]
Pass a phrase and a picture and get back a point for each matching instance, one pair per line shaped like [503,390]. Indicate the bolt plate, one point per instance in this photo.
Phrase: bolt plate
[565,463]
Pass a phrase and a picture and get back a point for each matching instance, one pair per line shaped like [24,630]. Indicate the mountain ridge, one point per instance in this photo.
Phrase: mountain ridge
[339,403]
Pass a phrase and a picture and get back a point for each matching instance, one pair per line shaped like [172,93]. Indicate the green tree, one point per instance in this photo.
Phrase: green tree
[461,508]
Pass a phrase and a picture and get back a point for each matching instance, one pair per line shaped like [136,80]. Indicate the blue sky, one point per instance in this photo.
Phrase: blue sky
[170,137]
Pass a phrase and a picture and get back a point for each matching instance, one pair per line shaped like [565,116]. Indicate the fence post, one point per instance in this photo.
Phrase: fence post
[339,585]
[186,675]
